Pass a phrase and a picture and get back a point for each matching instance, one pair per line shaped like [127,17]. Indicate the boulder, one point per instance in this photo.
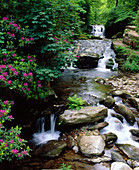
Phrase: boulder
[122,93]
[85,115]
[51,149]
[91,145]
[110,138]
[116,156]
[120,166]
[109,102]
[130,151]
[98,126]
[135,132]
[126,112]
[134,102]
[118,116]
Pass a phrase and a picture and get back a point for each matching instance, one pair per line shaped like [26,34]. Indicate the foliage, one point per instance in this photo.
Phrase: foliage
[17,70]
[11,145]
[75,102]
[131,60]
[64,167]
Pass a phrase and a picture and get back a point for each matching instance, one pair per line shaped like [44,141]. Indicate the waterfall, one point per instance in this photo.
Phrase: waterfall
[98,31]
[43,136]
[107,55]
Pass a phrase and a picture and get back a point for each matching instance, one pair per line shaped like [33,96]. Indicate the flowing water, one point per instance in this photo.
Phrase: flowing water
[82,82]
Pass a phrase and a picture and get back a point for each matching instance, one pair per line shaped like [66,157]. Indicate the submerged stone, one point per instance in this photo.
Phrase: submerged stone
[120,166]
[116,156]
[109,102]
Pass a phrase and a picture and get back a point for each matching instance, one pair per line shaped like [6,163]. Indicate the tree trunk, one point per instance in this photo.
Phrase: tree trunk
[116,2]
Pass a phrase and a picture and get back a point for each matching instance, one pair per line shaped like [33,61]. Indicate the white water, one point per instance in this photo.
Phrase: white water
[98,31]
[122,130]
[43,136]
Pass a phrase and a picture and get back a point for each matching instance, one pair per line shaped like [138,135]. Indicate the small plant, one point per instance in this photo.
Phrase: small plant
[75,102]
[64,167]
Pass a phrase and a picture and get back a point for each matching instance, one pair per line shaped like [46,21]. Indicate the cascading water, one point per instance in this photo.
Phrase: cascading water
[43,136]
[121,129]
[98,31]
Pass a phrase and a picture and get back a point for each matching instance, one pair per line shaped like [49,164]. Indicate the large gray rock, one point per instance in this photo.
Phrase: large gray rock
[85,115]
[126,112]
[131,151]
[135,132]
[120,166]
[91,145]
[135,102]
[110,138]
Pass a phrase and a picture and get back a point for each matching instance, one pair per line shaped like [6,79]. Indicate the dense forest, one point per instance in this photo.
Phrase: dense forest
[36,42]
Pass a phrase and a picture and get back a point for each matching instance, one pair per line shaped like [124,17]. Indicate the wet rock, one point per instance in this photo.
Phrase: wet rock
[110,138]
[131,151]
[109,102]
[133,163]
[116,156]
[85,115]
[51,149]
[122,93]
[110,63]
[99,126]
[70,142]
[120,117]
[135,132]
[120,166]
[91,145]
[137,168]
[134,102]
[126,112]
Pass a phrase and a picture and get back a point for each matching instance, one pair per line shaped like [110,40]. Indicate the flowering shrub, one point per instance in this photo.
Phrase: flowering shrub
[18,71]
[11,145]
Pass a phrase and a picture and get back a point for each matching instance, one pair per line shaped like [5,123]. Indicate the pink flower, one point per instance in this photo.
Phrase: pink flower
[8,33]
[20,139]
[16,73]
[39,85]
[22,38]
[23,89]
[14,151]
[5,102]
[9,66]
[31,39]
[18,28]
[1,115]
[10,23]
[30,74]
[1,140]
[72,33]
[25,75]
[30,79]
[4,54]
[19,155]
[44,99]
[30,60]
[39,81]
[15,25]
[27,39]
[22,59]
[77,56]
[14,54]
[13,35]
[12,102]
[65,40]
[11,141]
[17,135]
[24,152]
[9,81]
[13,69]
[5,18]
[55,38]
[28,89]
[0,125]
[10,117]
[4,59]
[4,74]
[29,56]
[25,84]
[56,41]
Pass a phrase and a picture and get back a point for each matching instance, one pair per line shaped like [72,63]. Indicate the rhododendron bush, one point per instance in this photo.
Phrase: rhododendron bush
[17,70]
[11,145]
